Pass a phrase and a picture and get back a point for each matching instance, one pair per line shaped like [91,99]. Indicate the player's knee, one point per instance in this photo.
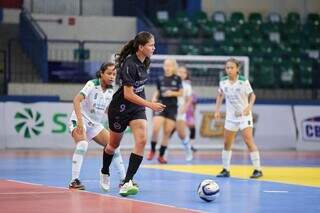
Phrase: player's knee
[110,148]
[142,141]
[82,147]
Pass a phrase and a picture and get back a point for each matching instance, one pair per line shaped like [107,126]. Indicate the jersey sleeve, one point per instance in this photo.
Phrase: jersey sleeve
[87,88]
[220,89]
[247,87]
[189,90]
[129,72]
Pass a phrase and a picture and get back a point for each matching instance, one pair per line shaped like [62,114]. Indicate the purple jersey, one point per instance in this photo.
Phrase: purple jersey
[191,110]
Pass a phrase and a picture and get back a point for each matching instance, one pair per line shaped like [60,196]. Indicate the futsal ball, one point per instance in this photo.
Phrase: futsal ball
[208,190]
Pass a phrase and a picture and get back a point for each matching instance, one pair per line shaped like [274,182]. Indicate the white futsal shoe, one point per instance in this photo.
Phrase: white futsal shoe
[104,182]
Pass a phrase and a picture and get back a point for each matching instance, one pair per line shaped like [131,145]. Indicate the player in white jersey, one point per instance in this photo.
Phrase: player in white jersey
[239,102]
[184,102]
[87,118]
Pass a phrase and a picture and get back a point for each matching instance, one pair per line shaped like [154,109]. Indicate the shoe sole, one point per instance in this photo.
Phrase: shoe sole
[78,188]
[132,191]
[256,177]
[103,189]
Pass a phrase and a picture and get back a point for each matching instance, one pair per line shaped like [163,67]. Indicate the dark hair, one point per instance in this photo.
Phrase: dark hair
[103,68]
[132,47]
[187,72]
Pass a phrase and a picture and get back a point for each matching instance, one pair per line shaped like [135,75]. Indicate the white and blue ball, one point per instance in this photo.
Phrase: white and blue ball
[208,190]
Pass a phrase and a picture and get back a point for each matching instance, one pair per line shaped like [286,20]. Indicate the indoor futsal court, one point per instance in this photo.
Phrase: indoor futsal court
[36,181]
[214,79]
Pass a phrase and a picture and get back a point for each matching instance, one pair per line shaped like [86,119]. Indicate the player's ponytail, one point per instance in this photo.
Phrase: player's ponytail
[132,47]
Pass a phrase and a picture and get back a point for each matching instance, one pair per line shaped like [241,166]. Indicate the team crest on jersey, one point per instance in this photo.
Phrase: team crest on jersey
[173,83]
[96,96]
[116,125]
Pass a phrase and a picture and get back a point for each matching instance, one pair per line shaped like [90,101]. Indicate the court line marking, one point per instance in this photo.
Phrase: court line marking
[106,195]
[275,191]
[27,193]
[18,181]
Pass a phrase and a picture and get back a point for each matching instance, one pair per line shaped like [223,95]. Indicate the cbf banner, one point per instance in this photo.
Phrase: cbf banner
[308,125]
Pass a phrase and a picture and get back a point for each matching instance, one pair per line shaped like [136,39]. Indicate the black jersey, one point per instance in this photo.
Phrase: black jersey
[166,83]
[132,73]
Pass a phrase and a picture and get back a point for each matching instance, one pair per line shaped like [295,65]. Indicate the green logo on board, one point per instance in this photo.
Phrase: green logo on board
[29,123]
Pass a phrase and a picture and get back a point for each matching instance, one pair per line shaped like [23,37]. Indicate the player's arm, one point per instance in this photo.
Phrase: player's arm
[132,97]
[175,93]
[155,96]
[77,108]
[171,93]
[219,100]
[252,99]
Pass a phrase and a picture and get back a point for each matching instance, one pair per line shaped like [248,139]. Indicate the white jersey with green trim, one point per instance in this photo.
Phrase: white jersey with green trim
[96,101]
[187,91]
[237,97]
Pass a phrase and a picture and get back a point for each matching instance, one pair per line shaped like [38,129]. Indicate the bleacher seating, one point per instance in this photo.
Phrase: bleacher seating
[284,50]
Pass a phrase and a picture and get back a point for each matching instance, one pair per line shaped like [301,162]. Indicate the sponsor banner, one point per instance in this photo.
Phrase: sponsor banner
[41,125]
[308,125]
[45,125]
[273,127]
[37,125]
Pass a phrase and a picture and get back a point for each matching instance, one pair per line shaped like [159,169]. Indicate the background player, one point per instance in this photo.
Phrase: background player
[239,102]
[191,121]
[169,87]
[184,103]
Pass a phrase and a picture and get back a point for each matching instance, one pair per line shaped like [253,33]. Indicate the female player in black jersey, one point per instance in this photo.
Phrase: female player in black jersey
[127,107]
[169,87]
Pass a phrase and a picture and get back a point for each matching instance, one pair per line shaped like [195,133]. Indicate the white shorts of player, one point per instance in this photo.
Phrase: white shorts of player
[236,125]
[181,117]
[92,129]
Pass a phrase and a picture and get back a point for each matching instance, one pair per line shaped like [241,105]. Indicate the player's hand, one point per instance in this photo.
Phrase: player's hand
[157,107]
[217,116]
[79,129]
[167,93]
[247,111]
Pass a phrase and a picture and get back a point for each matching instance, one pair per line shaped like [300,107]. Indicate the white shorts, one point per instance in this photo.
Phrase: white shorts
[92,129]
[235,126]
[181,117]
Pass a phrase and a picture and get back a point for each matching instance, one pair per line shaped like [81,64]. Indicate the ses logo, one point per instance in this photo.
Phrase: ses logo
[30,123]
[311,129]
